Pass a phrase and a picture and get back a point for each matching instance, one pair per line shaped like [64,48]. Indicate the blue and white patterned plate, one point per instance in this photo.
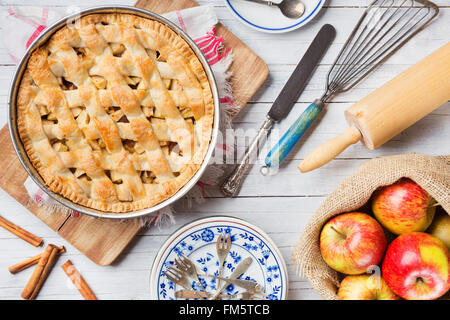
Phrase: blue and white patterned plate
[197,241]
[269,18]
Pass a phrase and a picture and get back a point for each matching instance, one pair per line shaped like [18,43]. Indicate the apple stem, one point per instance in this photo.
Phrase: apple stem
[436,204]
[338,232]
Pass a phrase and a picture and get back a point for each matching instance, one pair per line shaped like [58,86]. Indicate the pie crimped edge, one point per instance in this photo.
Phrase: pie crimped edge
[166,39]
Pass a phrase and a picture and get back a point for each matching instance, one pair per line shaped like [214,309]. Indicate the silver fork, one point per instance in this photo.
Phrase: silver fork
[187,266]
[222,247]
[178,277]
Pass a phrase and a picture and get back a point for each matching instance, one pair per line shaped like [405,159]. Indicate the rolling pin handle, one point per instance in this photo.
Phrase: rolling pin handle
[330,149]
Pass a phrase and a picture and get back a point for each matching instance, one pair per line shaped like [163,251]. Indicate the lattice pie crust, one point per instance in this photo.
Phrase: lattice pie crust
[115,112]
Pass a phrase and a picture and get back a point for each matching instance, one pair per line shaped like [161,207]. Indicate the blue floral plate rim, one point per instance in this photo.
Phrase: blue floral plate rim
[297,23]
[194,226]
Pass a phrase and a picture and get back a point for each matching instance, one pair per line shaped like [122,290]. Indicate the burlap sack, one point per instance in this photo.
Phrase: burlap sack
[431,173]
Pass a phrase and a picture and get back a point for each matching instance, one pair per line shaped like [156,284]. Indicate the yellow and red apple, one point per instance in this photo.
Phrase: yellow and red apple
[352,242]
[440,228]
[403,207]
[365,287]
[416,266]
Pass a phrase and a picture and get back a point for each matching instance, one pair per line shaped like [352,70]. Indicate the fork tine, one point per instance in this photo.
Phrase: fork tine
[224,241]
[219,241]
[184,260]
[185,265]
[175,272]
[171,273]
[178,263]
[170,277]
[228,241]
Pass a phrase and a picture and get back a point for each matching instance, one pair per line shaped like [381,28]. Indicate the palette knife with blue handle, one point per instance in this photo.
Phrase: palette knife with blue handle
[283,105]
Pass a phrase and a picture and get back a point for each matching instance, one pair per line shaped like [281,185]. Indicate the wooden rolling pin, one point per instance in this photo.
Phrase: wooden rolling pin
[389,110]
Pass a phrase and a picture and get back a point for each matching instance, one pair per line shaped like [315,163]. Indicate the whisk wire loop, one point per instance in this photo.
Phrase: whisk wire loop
[384,27]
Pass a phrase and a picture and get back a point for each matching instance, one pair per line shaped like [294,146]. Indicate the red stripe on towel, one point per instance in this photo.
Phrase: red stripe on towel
[180,19]
[26,20]
[44,16]
[36,32]
[220,57]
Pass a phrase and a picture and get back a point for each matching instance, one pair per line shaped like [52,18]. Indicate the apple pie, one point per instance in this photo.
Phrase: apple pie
[115,112]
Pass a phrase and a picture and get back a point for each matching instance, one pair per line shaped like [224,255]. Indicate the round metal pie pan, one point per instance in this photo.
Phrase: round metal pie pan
[12,111]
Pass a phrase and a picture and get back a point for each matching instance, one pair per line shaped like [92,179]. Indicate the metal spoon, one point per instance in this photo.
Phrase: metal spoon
[290,8]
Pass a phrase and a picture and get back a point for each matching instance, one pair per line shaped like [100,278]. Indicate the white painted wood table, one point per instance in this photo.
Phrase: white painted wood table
[281,204]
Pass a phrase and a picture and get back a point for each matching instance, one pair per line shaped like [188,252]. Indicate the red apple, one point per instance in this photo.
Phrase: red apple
[352,242]
[365,287]
[403,207]
[440,228]
[416,266]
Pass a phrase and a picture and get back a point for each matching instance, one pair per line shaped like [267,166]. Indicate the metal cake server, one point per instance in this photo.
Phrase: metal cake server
[251,286]
[282,105]
[238,271]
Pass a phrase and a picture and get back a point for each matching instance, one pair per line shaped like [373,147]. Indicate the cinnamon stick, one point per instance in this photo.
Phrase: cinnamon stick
[21,233]
[40,273]
[78,281]
[31,261]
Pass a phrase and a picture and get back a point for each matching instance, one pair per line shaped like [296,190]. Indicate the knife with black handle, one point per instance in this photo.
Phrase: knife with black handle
[282,105]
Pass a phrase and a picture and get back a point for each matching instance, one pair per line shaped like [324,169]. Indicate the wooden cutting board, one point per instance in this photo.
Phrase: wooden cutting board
[103,240]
